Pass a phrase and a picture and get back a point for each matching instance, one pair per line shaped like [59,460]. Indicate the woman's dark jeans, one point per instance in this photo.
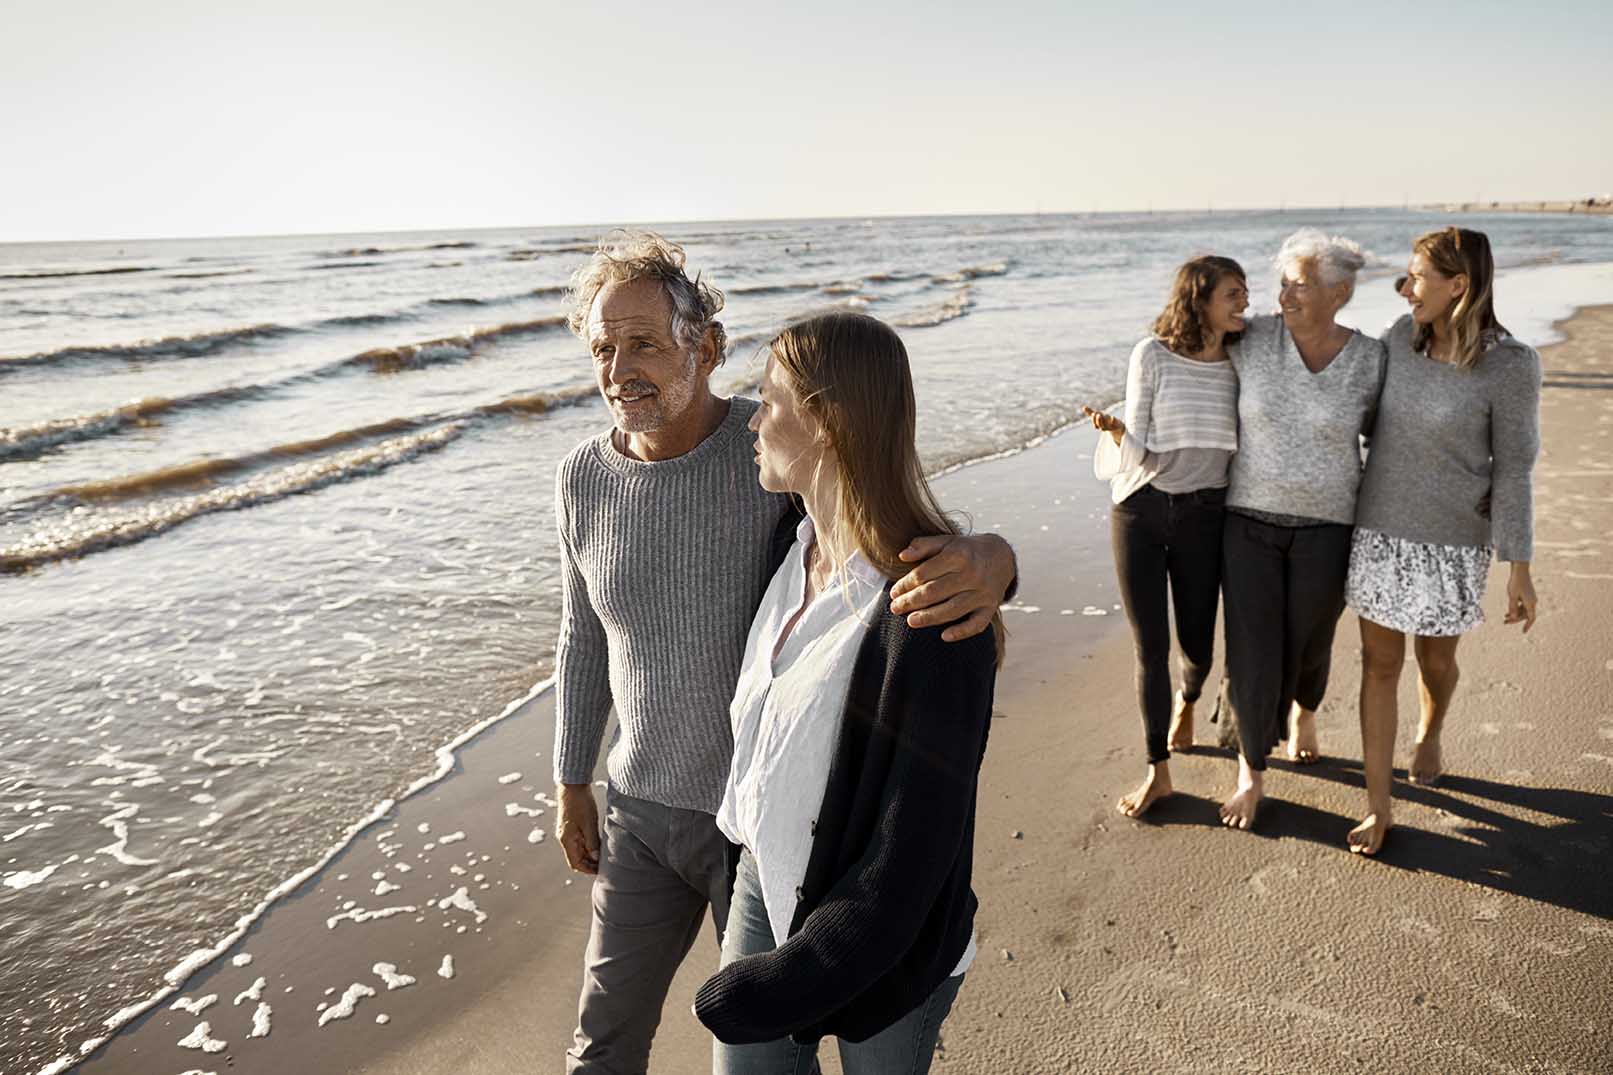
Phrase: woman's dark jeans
[1175,538]
[1284,597]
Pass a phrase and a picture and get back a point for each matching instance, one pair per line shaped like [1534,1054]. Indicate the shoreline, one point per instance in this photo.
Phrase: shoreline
[1582,207]
[1066,642]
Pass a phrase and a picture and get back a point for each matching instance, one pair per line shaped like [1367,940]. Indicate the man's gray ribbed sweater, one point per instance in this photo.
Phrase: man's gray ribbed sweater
[662,566]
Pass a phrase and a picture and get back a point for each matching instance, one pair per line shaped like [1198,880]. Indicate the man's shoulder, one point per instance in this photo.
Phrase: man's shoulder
[582,459]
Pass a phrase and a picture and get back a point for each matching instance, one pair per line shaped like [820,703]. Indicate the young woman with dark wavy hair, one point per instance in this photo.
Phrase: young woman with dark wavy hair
[857,739]
[1448,485]
[1166,464]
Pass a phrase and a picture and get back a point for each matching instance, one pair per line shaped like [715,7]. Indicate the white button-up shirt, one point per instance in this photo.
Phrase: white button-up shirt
[786,717]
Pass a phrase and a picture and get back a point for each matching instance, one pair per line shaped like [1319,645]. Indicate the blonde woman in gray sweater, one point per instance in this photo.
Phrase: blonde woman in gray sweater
[1448,484]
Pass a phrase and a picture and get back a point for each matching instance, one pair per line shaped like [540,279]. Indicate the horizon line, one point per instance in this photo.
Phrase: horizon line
[602,226]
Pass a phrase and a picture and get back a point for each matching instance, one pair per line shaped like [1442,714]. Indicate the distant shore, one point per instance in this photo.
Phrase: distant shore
[1584,207]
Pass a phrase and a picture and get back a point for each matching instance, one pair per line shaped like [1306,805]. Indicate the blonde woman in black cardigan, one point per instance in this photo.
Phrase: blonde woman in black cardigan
[857,739]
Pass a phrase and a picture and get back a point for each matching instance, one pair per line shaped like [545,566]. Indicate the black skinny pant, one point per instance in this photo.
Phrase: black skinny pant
[1284,596]
[1176,537]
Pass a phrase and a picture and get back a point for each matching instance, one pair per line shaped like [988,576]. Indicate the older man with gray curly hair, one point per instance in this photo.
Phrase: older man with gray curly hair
[667,544]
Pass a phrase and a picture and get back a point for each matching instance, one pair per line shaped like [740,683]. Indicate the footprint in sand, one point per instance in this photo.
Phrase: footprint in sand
[1416,927]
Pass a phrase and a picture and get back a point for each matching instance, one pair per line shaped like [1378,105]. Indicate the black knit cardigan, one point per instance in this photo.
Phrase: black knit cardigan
[885,910]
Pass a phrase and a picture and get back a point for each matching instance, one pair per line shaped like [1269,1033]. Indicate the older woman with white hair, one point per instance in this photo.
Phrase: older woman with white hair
[1308,392]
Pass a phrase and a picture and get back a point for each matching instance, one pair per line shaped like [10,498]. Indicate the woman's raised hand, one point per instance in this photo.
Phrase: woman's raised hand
[1104,422]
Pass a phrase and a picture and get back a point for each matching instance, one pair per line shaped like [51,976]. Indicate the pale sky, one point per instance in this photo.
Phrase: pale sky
[183,117]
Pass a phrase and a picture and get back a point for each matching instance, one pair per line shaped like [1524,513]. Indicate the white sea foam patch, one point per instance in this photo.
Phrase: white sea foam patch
[509,778]
[195,1006]
[202,1038]
[118,822]
[201,957]
[25,830]
[109,759]
[63,539]
[260,1021]
[252,992]
[21,879]
[388,973]
[461,901]
[344,1008]
[203,754]
[359,914]
[446,968]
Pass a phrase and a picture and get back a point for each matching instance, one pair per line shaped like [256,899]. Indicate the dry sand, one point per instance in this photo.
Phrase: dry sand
[1479,941]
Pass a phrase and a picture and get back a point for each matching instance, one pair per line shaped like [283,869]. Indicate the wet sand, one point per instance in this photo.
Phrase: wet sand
[1478,941]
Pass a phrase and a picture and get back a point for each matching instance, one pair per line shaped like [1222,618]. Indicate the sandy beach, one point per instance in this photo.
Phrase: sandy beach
[1479,941]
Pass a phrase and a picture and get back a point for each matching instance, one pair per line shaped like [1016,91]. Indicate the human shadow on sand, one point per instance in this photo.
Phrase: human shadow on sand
[1554,845]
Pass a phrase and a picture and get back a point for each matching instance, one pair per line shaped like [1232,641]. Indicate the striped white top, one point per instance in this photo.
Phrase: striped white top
[1181,424]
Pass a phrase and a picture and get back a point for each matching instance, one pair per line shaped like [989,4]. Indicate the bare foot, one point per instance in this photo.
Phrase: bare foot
[1425,763]
[1303,748]
[1155,786]
[1367,837]
[1181,739]
[1238,812]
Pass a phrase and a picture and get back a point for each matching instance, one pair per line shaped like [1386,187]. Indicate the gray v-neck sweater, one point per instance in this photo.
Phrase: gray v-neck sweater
[1299,449]
[662,566]
[1446,438]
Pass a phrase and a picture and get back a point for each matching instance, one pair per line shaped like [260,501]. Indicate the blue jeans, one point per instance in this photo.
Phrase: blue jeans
[906,1047]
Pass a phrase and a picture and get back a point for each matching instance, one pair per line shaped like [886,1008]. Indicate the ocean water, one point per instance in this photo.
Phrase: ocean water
[276,520]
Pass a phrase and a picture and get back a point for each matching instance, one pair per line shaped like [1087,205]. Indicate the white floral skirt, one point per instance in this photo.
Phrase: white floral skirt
[1415,587]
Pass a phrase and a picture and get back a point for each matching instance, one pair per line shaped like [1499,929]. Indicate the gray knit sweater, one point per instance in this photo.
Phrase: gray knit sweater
[1299,448]
[662,567]
[1446,438]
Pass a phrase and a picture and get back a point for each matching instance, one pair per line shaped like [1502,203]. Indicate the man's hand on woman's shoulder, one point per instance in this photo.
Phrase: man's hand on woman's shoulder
[956,580]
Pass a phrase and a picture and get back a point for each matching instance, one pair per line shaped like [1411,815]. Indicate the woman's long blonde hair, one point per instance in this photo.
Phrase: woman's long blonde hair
[851,374]
[1462,252]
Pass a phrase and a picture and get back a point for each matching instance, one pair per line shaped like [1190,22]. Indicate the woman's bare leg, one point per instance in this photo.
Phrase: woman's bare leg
[1383,653]
[1437,675]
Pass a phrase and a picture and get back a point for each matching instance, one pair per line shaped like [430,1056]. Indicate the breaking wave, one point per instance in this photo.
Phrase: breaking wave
[190,346]
[972,272]
[67,538]
[201,344]
[58,274]
[447,348]
[29,440]
[954,307]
